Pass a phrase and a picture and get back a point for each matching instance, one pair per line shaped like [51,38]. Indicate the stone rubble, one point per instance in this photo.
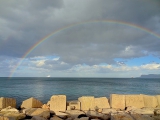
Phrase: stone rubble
[118,107]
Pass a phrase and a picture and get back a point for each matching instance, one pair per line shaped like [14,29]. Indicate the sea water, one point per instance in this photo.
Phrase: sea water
[43,88]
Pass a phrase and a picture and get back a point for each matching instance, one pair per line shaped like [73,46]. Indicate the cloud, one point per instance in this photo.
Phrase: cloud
[151,66]
[23,23]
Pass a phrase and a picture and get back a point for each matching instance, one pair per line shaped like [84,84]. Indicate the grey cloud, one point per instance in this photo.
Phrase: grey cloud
[94,44]
[51,65]
[6,64]
[24,23]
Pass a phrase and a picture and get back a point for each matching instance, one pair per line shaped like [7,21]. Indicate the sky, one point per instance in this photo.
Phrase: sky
[79,38]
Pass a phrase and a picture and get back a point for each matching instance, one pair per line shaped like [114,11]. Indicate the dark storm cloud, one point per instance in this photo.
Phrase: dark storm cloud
[23,23]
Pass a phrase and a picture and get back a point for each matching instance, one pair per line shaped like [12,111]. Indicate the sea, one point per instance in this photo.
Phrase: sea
[22,88]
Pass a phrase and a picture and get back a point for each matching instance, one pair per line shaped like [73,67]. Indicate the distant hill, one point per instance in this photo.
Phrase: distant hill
[150,76]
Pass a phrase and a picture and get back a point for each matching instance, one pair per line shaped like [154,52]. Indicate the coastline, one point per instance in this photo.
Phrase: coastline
[118,105]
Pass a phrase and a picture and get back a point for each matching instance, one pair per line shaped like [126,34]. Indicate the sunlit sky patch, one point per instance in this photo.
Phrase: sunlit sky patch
[139,61]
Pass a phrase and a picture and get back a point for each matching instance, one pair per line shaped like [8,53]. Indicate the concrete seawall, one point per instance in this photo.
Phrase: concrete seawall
[117,101]
[129,107]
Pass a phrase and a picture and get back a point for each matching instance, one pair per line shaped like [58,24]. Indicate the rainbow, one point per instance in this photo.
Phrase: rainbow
[76,24]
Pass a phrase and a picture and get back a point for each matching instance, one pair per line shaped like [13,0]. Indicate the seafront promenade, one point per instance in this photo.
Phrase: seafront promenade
[117,107]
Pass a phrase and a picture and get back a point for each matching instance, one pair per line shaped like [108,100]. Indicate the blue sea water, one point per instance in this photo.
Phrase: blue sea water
[22,88]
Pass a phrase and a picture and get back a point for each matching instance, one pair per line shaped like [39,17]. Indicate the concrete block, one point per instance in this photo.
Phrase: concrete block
[5,102]
[150,101]
[87,102]
[135,101]
[31,103]
[117,101]
[101,102]
[58,103]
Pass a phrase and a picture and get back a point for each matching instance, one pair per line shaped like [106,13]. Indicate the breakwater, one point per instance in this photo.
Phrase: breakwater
[118,105]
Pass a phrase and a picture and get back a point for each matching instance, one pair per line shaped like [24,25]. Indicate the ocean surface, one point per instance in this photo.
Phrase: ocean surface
[22,88]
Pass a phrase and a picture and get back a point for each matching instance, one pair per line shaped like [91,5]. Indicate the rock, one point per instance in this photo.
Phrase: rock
[117,101]
[45,106]
[11,115]
[100,110]
[61,114]
[87,102]
[157,112]
[150,101]
[82,115]
[58,103]
[74,113]
[101,102]
[73,105]
[158,100]
[156,117]
[135,100]
[143,111]
[121,117]
[5,118]
[10,109]
[31,103]
[129,109]
[37,118]
[69,118]
[96,115]
[55,118]
[109,111]
[48,103]
[82,118]
[141,117]
[37,112]
[5,102]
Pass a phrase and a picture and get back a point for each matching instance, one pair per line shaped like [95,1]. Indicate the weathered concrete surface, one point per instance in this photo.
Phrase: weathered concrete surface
[55,118]
[123,116]
[96,115]
[45,106]
[8,115]
[141,117]
[101,102]
[4,118]
[158,100]
[58,103]
[156,117]
[157,111]
[109,111]
[73,105]
[37,112]
[134,100]
[143,111]
[74,113]
[61,114]
[117,101]
[5,102]
[37,118]
[10,109]
[87,102]
[31,103]
[82,118]
[150,101]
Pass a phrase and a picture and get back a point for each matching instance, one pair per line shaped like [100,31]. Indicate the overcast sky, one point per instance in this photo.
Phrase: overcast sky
[90,38]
